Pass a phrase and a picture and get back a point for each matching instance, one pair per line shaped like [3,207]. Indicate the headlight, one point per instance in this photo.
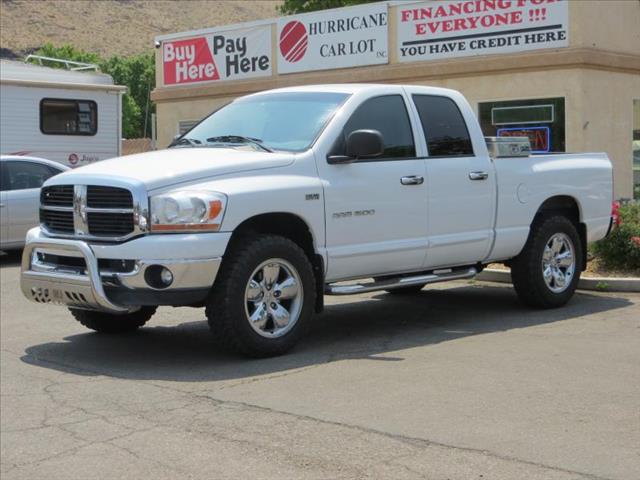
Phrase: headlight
[187,210]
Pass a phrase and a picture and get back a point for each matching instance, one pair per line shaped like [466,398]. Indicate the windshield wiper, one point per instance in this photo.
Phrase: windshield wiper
[239,139]
[186,140]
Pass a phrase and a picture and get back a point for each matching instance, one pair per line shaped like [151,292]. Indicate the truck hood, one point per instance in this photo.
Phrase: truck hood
[164,168]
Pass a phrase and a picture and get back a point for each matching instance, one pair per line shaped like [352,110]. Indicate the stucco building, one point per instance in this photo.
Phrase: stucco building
[567,74]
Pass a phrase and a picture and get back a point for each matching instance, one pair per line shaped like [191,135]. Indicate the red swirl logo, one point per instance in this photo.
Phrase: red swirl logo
[293,41]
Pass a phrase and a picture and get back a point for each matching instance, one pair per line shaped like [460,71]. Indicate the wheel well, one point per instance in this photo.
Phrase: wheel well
[568,207]
[561,204]
[295,229]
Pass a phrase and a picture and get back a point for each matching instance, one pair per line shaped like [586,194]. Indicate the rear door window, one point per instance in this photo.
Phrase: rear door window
[25,175]
[4,177]
[54,170]
[444,127]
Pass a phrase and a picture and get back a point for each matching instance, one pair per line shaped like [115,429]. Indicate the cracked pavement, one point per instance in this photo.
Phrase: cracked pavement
[458,382]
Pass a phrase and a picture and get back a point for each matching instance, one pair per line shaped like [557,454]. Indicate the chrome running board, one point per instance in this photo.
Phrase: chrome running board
[399,282]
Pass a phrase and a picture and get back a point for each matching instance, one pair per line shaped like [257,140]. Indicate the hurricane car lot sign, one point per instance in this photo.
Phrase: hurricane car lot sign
[223,55]
[341,38]
[460,28]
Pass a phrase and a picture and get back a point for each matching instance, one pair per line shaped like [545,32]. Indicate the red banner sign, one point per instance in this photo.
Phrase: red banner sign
[226,55]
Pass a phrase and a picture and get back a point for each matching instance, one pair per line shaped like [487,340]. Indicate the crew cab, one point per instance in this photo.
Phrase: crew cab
[284,196]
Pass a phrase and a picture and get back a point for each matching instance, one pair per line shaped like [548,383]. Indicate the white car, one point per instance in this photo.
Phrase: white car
[279,197]
[20,182]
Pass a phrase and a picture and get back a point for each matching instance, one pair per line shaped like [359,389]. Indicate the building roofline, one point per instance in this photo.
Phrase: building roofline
[269,21]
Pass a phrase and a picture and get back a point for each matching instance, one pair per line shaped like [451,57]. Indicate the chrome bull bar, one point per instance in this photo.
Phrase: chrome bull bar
[74,289]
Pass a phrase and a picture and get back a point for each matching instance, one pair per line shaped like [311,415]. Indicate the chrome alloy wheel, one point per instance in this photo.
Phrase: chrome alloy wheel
[558,262]
[273,298]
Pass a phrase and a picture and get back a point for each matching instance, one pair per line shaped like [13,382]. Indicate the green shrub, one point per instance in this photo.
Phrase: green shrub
[621,249]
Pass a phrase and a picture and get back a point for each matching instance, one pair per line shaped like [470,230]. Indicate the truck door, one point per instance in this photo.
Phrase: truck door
[4,207]
[460,183]
[376,208]
[23,197]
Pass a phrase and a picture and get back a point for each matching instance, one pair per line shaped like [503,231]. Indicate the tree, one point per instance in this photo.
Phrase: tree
[66,52]
[290,7]
[137,73]
[131,117]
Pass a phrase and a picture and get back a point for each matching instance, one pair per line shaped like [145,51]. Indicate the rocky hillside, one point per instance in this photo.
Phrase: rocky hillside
[111,27]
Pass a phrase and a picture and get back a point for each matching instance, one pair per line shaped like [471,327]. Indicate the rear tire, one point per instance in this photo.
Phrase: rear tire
[103,322]
[547,271]
[263,298]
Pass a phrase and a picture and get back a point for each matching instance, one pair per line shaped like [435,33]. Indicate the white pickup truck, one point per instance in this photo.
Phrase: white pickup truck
[284,196]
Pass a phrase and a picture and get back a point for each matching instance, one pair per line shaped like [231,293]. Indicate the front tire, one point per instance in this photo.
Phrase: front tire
[262,301]
[103,322]
[547,271]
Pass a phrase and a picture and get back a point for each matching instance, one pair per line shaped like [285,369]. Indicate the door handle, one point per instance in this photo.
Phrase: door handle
[478,175]
[412,180]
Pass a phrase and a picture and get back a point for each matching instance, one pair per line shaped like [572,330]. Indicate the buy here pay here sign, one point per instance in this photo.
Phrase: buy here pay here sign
[224,55]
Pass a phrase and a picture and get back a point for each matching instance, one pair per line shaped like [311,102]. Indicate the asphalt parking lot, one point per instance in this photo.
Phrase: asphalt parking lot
[458,382]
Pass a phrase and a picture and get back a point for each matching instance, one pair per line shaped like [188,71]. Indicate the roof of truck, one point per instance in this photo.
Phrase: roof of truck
[352,88]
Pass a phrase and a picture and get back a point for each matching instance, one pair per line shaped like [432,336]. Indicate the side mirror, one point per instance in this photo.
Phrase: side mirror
[360,144]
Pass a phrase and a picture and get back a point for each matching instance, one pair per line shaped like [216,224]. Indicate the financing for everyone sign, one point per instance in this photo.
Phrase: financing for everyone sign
[225,55]
[346,37]
[460,28]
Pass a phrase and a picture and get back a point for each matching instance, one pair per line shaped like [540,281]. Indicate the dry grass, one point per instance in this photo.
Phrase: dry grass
[121,27]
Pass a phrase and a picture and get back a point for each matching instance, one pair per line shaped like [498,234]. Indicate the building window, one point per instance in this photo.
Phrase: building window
[444,126]
[185,125]
[542,120]
[636,148]
[59,116]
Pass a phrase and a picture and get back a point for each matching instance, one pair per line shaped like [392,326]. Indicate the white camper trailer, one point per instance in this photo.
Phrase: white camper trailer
[70,116]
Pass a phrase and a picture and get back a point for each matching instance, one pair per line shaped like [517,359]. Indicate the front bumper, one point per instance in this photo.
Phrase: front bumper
[87,285]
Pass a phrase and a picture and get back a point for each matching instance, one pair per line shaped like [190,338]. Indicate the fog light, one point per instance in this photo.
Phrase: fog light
[166,276]
[158,276]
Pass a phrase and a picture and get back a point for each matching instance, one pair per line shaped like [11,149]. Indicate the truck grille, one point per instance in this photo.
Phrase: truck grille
[108,197]
[113,224]
[108,211]
[57,196]
[55,221]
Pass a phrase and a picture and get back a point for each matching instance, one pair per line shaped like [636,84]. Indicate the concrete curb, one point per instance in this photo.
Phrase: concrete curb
[599,284]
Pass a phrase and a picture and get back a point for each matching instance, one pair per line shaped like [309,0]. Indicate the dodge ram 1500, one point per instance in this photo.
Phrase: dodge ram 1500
[284,196]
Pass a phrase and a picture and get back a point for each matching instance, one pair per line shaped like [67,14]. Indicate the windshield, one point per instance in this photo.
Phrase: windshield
[275,121]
